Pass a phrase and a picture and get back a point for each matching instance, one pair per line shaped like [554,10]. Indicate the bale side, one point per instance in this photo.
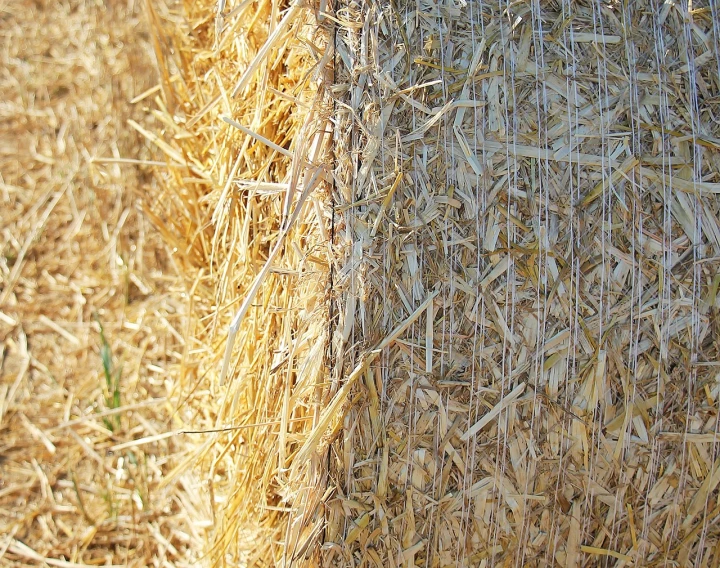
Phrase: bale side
[547,174]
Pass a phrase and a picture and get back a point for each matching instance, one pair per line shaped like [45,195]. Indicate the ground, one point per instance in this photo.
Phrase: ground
[76,253]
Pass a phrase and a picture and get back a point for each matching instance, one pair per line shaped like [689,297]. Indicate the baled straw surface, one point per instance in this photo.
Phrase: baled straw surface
[73,245]
[521,327]
[549,172]
[240,120]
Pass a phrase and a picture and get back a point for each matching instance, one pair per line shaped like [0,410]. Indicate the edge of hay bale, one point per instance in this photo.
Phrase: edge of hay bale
[243,122]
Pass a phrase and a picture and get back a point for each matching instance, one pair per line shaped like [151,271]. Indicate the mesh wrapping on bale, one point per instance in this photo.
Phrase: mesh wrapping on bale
[489,337]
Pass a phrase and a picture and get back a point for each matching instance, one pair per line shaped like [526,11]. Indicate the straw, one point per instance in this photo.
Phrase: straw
[548,168]
[76,250]
[245,209]
[474,324]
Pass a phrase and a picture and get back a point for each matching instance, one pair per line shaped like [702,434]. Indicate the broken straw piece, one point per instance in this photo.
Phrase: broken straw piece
[256,136]
[237,320]
[265,49]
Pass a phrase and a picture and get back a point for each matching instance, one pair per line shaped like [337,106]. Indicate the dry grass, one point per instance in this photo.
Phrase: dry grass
[74,246]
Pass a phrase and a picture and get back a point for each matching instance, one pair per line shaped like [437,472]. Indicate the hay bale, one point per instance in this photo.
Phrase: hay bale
[516,360]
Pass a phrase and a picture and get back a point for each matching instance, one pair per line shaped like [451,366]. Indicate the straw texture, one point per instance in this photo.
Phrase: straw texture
[242,120]
[74,251]
[549,170]
[453,273]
